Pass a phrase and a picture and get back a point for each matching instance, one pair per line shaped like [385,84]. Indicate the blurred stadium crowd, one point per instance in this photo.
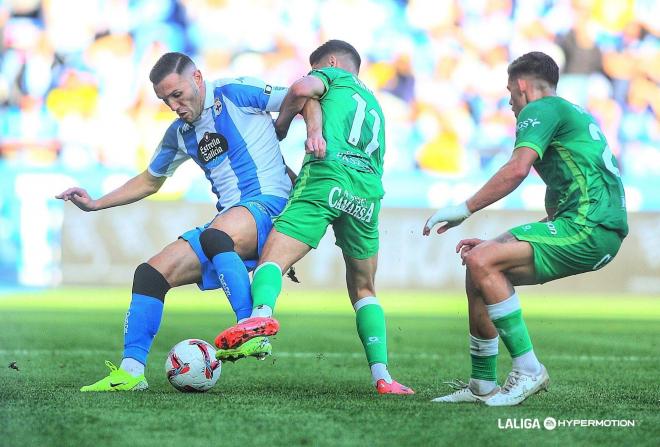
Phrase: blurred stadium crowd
[75,95]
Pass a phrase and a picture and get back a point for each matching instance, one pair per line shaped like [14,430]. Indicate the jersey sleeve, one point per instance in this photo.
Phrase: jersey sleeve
[254,95]
[327,75]
[537,124]
[168,155]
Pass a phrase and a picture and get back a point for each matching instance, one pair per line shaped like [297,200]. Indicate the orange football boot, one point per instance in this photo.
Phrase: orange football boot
[241,332]
[392,388]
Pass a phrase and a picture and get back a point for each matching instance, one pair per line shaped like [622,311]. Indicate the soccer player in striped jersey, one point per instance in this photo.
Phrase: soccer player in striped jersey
[226,128]
[585,225]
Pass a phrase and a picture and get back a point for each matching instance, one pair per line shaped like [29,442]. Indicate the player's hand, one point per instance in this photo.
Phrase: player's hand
[79,197]
[465,245]
[315,144]
[450,215]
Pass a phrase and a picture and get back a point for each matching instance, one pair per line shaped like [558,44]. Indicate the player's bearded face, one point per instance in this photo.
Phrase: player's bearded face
[196,101]
[182,94]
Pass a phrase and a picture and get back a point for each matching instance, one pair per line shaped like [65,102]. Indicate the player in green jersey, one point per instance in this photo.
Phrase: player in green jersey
[339,185]
[585,225]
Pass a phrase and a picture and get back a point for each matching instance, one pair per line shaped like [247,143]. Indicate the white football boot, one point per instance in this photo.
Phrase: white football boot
[518,387]
[463,393]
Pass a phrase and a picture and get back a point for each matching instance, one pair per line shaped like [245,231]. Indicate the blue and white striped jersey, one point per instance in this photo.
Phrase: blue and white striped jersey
[233,141]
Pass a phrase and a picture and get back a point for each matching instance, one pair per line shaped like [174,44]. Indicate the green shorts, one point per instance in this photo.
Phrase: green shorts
[563,248]
[331,193]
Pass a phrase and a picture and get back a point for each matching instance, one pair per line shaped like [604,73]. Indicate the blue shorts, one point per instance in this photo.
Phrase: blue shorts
[264,209]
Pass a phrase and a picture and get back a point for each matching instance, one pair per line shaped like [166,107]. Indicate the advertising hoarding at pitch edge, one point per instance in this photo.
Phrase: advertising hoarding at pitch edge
[104,248]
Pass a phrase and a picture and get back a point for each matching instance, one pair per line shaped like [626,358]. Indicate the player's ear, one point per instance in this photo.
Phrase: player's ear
[197,76]
[332,60]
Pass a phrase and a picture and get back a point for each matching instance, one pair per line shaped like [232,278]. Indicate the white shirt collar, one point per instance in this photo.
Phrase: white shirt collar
[209,98]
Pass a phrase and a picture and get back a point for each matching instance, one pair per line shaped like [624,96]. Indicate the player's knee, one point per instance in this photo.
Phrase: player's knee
[150,282]
[215,241]
[477,262]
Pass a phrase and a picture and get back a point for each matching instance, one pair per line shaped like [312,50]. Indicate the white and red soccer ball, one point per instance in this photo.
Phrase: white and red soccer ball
[191,366]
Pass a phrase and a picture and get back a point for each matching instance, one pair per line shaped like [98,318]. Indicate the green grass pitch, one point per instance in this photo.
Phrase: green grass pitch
[602,353]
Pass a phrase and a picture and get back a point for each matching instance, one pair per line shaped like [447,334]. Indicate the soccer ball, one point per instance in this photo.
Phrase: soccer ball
[191,366]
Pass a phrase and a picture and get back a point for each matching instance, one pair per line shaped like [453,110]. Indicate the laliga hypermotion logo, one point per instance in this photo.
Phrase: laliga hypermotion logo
[550,423]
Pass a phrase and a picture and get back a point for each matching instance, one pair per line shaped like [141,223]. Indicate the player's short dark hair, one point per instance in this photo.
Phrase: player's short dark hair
[536,64]
[336,47]
[167,64]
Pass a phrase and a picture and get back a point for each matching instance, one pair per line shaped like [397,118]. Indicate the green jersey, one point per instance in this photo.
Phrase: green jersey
[575,163]
[353,122]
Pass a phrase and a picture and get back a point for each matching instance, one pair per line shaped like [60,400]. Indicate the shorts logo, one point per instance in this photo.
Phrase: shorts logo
[358,207]
[268,89]
[211,146]
[258,205]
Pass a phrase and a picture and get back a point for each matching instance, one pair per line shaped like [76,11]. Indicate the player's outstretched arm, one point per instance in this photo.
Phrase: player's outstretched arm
[501,184]
[294,101]
[135,189]
[313,115]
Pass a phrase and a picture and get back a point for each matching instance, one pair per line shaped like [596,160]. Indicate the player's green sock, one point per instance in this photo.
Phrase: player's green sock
[266,286]
[508,320]
[370,321]
[484,359]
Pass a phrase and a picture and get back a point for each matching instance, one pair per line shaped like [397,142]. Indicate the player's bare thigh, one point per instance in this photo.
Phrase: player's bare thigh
[360,277]
[505,254]
[240,226]
[283,250]
[178,263]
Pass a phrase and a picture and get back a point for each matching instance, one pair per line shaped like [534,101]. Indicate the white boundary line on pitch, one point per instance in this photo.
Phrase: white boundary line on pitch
[339,355]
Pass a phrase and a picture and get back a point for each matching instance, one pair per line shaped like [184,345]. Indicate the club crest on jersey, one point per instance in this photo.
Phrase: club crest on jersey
[211,146]
[217,107]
